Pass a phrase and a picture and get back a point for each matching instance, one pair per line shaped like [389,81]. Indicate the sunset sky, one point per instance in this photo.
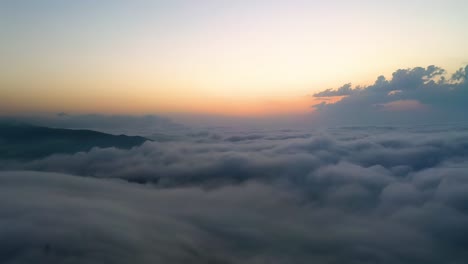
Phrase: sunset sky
[213,57]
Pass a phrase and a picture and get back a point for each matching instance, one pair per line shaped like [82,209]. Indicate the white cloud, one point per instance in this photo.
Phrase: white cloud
[353,194]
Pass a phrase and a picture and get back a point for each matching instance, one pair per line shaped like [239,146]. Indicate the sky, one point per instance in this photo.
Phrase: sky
[240,131]
[241,58]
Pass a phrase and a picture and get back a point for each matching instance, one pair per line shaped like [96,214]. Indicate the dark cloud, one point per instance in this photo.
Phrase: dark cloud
[339,195]
[342,212]
[342,91]
[424,94]
[264,157]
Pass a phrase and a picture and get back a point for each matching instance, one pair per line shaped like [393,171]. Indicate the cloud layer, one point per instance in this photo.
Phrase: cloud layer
[344,195]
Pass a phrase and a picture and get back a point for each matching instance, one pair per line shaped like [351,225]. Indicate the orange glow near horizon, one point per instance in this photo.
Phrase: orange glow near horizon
[212,57]
[144,103]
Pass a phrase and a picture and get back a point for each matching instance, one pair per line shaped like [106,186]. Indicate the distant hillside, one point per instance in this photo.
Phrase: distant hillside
[111,124]
[19,141]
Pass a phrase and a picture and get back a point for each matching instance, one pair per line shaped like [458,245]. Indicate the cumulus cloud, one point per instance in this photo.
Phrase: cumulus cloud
[336,213]
[338,195]
[444,99]
[215,160]
[342,91]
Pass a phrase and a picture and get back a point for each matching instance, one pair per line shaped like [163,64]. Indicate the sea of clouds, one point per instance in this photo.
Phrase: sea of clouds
[337,195]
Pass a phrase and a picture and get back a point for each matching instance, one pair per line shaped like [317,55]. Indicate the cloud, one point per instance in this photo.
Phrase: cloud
[215,160]
[339,213]
[337,195]
[443,99]
[403,105]
[344,90]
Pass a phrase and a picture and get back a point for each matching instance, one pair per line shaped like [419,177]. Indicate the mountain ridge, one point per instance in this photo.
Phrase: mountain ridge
[25,141]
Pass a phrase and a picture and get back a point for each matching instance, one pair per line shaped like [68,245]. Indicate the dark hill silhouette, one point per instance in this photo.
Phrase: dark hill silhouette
[22,141]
